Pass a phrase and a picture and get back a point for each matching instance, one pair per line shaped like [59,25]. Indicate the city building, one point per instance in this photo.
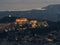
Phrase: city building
[44,24]
[34,23]
[21,20]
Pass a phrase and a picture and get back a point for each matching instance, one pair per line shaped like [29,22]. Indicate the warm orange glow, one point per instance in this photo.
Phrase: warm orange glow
[34,25]
[33,21]
[21,20]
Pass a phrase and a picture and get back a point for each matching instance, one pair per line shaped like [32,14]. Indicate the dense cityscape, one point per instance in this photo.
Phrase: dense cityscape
[31,27]
[25,31]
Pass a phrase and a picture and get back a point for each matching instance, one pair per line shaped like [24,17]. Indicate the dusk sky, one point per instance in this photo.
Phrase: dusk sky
[25,4]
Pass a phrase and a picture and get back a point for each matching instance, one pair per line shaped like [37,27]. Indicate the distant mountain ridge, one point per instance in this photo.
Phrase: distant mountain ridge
[51,13]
